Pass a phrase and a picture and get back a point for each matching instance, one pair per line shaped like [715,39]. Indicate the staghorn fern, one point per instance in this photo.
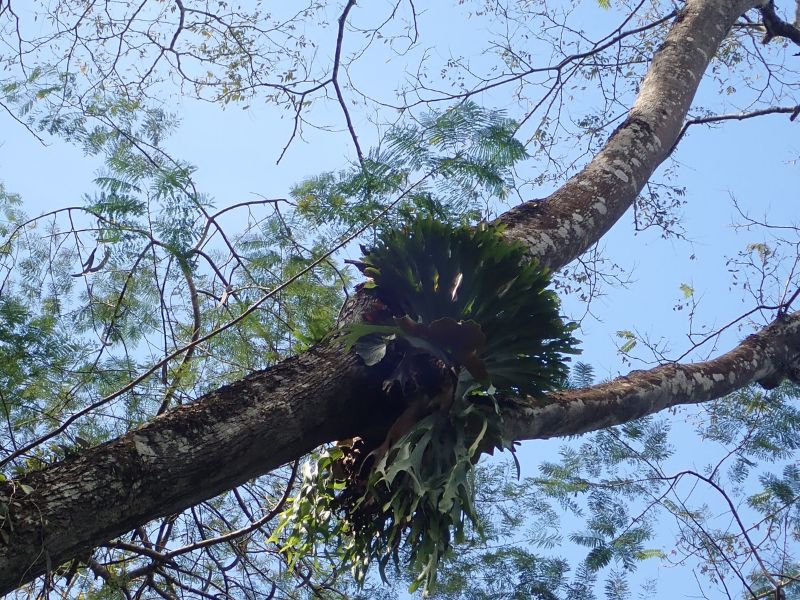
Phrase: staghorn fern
[467,300]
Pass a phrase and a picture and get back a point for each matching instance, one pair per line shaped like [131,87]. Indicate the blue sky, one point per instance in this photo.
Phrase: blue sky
[235,152]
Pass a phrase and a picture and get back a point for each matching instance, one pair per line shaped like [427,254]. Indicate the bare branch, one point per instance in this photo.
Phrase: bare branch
[792,111]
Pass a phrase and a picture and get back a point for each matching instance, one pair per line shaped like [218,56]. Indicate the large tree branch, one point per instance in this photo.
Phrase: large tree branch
[271,417]
[187,455]
[766,357]
[563,226]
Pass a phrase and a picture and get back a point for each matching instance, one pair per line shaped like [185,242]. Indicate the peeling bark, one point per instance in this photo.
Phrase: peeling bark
[261,422]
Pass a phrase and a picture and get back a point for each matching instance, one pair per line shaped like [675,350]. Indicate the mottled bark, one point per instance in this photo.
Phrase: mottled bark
[185,456]
[265,420]
[563,226]
[766,357]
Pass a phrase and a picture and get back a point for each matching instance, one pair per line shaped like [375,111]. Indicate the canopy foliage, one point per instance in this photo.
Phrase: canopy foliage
[144,293]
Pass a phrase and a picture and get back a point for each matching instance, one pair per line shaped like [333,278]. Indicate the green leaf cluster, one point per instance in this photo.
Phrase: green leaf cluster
[92,296]
[426,485]
[430,271]
[460,159]
[470,301]
[417,501]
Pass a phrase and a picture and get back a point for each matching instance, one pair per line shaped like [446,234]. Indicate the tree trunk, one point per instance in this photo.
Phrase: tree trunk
[263,421]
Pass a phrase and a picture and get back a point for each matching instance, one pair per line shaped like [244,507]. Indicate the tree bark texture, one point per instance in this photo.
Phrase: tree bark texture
[563,226]
[766,357]
[265,420]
